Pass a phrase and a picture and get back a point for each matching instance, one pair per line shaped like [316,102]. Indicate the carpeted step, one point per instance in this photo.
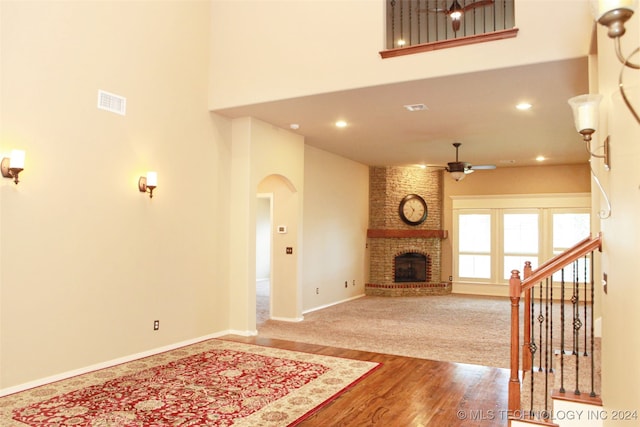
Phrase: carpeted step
[545,393]
[568,379]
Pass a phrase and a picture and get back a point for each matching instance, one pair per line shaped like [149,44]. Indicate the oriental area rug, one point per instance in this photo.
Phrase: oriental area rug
[212,383]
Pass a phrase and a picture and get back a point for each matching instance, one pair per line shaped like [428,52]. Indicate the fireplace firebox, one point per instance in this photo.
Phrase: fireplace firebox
[410,267]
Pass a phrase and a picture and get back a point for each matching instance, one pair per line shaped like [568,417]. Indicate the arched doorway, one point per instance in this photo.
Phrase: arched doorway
[284,296]
[264,227]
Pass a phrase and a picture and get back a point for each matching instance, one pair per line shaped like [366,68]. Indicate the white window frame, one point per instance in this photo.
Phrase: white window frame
[491,246]
[544,204]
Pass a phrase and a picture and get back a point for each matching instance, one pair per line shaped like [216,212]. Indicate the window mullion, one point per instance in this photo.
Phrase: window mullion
[497,245]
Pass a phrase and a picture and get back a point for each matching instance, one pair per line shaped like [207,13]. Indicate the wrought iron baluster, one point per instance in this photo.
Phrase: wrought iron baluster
[562,326]
[410,19]
[436,22]
[402,20]
[532,346]
[540,320]
[546,347]
[576,325]
[419,18]
[551,321]
[586,300]
[393,24]
[593,354]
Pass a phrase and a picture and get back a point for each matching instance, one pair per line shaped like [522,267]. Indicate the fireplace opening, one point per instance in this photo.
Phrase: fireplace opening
[410,267]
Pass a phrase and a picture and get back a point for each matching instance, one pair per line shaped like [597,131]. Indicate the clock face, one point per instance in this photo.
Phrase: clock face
[413,209]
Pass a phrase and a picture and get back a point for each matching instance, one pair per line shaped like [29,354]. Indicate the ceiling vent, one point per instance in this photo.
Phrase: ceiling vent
[111,102]
[415,107]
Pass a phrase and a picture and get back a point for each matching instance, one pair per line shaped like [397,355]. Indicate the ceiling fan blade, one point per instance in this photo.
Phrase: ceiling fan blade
[479,3]
[483,167]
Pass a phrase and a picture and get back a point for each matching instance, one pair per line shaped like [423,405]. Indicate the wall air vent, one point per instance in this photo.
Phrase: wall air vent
[110,102]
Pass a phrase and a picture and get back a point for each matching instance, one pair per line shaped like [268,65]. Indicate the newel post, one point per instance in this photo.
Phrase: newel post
[514,379]
[526,344]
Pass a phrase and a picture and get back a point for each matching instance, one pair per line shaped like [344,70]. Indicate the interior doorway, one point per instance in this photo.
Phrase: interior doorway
[263,257]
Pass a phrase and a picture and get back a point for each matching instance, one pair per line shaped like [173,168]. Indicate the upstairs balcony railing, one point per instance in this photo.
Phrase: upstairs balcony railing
[421,25]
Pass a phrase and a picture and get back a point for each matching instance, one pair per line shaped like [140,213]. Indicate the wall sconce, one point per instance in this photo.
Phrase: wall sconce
[613,14]
[148,183]
[13,165]
[585,115]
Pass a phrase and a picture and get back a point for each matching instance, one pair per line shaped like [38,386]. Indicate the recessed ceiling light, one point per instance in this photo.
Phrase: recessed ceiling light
[294,126]
[341,124]
[523,106]
[540,159]
[415,107]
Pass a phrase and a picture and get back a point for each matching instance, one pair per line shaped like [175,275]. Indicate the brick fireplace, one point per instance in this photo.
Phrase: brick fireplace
[389,237]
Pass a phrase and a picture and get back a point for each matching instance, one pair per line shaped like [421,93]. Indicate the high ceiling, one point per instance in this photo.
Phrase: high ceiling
[476,109]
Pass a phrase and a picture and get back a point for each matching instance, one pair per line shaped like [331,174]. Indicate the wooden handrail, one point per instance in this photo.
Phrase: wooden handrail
[564,254]
[562,260]
[444,44]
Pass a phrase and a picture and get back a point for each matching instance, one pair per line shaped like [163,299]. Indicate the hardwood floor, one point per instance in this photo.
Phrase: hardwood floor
[408,392]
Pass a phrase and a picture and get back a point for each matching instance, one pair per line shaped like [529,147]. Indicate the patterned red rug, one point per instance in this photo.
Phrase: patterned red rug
[213,383]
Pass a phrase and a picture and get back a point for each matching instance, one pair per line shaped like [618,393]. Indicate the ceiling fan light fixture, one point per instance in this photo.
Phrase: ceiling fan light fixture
[458,170]
[458,176]
[455,10]
[455,13]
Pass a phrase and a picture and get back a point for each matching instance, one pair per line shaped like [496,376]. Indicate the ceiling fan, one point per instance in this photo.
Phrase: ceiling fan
[459,170]
[455,11]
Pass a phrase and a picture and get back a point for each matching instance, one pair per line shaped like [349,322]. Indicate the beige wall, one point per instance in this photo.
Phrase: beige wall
[288,41]
[259,151]
[335,228]
[87,262]
[621,232]
[523,180]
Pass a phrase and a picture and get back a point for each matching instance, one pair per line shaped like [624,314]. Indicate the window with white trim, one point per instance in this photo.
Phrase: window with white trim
[474,256]
[494,235]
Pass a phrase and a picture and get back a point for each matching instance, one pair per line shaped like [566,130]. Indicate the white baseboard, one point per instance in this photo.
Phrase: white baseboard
[288,319]
[333,303]
[597,327]
[107,364]
[241,333]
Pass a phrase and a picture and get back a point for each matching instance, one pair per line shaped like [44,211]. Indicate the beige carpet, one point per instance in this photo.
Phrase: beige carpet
[453,328]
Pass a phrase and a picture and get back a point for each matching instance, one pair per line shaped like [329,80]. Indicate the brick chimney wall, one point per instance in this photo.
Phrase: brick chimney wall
[387,187]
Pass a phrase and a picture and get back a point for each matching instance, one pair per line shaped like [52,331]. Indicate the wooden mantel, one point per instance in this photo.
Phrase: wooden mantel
[424,234]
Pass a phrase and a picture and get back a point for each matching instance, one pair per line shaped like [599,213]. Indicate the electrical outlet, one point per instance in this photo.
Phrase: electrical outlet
[289,250]
[317,291]
[346,284]
[354,282]
[451,278]
[156,325]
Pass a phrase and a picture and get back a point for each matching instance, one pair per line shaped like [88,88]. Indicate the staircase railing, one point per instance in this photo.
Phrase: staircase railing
[537,345]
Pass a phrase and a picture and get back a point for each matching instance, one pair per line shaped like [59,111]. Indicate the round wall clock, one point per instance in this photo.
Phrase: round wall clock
[413,209]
